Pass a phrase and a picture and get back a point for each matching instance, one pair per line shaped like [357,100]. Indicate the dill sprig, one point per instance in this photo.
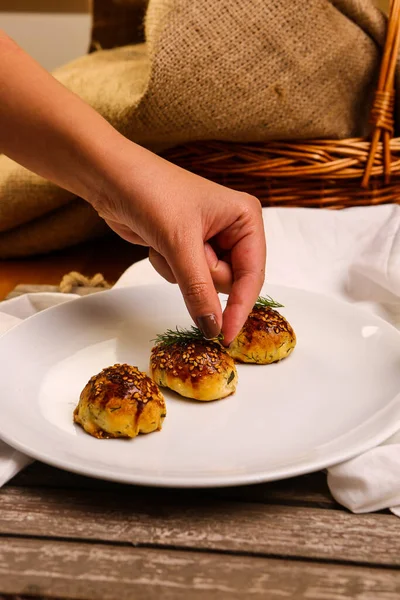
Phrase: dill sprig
[182,336]
[267,302]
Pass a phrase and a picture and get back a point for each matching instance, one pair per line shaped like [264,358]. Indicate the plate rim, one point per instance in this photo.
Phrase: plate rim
[224,480]
[208,482]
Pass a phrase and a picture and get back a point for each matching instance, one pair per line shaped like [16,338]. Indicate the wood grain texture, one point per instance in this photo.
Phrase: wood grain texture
[205,524]
[308,490]
[109,256]
[103,572]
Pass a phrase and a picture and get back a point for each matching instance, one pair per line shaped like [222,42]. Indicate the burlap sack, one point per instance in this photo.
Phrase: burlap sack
[241,70]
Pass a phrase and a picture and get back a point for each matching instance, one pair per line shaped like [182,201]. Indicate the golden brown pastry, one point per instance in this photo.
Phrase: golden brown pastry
[266,337]
[192,366]
[121,401]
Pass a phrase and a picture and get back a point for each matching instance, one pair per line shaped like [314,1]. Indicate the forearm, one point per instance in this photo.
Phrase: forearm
[48,129]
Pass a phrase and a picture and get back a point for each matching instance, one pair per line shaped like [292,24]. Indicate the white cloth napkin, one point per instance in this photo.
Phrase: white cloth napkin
[353,254]
[13,312]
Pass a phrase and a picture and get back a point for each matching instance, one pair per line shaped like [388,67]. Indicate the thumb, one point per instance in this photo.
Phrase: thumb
[189,265]
[221,271]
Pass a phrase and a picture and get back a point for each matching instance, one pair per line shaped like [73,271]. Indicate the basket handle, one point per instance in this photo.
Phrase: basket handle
[382,113]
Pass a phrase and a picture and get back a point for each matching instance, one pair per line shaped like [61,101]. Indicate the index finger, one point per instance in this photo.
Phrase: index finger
[248,258]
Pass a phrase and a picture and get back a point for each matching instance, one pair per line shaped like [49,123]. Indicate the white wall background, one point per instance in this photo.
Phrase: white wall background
[53,39]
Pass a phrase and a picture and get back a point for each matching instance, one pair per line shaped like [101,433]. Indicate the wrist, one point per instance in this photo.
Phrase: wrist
[111,160]
[97,156]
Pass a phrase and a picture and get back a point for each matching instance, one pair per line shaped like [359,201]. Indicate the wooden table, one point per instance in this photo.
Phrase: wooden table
[67,536]
[109,256]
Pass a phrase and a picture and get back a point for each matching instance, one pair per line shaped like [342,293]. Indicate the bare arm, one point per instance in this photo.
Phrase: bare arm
[48,129]
[144,198]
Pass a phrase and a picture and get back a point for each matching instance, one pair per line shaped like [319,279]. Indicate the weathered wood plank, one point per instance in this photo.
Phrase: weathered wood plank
[104,572]
[206,524]
[307,490]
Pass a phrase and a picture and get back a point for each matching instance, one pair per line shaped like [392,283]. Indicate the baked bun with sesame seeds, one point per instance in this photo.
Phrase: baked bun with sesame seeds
[185,362]
[121,401]
[266,336]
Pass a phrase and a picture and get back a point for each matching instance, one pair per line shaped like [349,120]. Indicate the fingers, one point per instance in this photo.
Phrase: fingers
[248,255]
[220,270]
[161,266]
[234,222]
[189,266]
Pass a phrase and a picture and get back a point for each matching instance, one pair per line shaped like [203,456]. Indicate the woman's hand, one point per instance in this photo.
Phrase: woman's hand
[201,235]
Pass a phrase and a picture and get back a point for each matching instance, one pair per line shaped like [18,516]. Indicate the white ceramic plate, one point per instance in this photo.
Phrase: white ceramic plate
[336,396]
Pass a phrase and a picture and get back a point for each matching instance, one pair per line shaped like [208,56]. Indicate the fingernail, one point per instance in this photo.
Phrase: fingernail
[209,326]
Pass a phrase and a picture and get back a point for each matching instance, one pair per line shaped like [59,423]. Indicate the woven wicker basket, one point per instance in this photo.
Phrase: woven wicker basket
[309,173]
[314,173]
